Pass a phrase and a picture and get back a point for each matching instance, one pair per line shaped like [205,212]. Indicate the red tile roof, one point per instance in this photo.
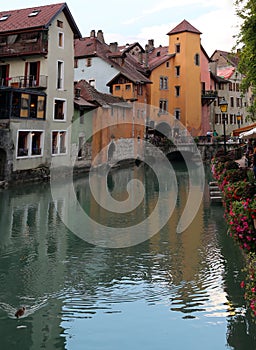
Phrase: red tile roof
[130,67]
[20,20]
[90,46]
[184,26]
[91,95]
[231,58]
[158,56]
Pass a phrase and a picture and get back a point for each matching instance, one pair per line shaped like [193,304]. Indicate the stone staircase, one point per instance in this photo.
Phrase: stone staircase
[215,193]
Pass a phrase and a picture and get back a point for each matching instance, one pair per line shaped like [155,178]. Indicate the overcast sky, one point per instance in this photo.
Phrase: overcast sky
[140,20]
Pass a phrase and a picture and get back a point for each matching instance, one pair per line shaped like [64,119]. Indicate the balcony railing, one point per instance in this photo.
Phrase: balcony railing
[208,96]
[22,81]
[209,93]
[23,48]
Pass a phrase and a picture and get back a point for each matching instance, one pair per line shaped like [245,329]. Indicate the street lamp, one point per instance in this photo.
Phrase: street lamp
[238,118]
[224,107]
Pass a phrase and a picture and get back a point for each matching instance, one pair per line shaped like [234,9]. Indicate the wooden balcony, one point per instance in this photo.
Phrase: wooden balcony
[208,96]
[23,44]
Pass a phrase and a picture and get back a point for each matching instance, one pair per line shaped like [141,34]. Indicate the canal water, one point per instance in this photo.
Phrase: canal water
[172,291]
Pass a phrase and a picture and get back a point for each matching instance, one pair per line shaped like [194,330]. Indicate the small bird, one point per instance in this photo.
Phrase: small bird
[20,312]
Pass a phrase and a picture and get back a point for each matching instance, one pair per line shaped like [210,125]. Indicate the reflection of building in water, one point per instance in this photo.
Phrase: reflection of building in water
[188,242]
[32,227]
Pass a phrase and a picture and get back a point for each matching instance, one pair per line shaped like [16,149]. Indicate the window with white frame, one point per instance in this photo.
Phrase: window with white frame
[60,75]
[163,106]
[59,109]
[29,143]
[163,83]
[59,142]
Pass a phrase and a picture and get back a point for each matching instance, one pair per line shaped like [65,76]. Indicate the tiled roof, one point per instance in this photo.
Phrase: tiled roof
[90,46]
[228,56]
[129,47]
[157,61]
[23,20]
[81,102]
[90,94]
[130,67]
[158,56]
[134,71]
[184,26]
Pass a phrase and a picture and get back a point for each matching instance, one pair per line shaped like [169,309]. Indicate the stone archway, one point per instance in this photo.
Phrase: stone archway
[164,129]
[2,164]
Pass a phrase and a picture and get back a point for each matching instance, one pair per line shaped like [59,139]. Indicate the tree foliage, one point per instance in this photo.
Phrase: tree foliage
[246,11]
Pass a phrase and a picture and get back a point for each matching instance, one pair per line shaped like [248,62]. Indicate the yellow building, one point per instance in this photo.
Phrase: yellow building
[176,77]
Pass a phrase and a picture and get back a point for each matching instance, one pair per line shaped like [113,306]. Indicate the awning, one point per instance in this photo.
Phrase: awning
[236,132]
[251,134]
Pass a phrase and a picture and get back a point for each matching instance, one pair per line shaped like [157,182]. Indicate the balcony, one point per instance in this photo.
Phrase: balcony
[208,96]
[23,44]
[24,82]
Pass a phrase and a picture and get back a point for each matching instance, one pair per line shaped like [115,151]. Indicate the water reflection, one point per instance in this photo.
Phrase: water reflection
[78,295]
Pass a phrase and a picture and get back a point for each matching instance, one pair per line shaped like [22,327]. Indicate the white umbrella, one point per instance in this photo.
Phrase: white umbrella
[251,134]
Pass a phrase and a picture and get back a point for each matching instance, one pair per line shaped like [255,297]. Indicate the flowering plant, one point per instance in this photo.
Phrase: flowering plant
[241,226]
[239,199]
[250,282]
[239,190]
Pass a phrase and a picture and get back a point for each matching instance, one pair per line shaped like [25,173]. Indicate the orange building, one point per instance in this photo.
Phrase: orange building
[110,120]
[168,83]
[176,76]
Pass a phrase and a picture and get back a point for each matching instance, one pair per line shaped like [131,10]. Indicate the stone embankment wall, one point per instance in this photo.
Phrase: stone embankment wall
[122,151]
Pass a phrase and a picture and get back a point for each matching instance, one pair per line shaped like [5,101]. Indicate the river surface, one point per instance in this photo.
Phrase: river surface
[171,291]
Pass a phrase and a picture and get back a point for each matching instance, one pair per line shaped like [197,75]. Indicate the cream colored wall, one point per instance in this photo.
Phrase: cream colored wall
[65,54]
[48,67]
[17,67]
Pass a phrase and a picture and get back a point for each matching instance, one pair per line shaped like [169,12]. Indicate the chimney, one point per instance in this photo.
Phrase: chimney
[92,35]
[151,44]
[146,55]
[100,36]
[113,47]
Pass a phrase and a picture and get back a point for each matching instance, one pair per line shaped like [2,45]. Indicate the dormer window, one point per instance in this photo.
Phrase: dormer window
[34,13]
[4,17]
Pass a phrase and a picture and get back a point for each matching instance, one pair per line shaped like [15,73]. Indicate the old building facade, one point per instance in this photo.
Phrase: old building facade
[36,90]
